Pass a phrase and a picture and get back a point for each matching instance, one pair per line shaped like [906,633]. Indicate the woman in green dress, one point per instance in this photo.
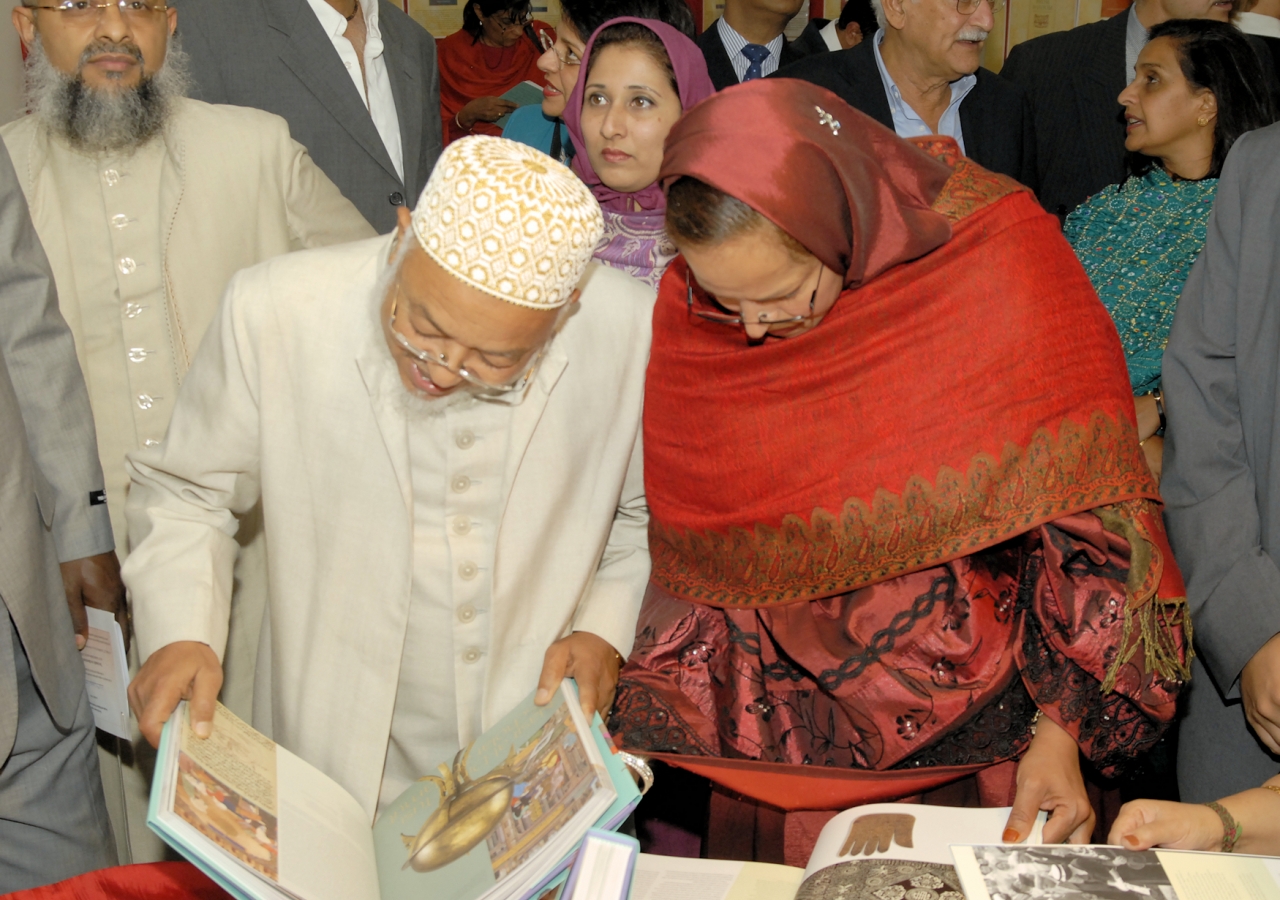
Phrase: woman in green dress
[1198,86]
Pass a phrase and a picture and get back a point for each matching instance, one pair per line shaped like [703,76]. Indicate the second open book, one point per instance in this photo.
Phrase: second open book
[886,851]
[498,821]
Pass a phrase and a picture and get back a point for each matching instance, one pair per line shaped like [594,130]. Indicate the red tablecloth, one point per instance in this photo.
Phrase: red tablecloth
[148,881]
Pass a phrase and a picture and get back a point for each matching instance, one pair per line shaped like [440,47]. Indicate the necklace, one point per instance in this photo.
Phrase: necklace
[355,8]
[499,58]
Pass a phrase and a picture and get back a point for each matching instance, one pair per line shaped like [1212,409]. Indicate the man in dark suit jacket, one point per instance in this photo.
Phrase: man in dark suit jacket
[1074,79]
[857,23]
[748,24]
[275,55]
[811,40]
[933,42]
[1260,19]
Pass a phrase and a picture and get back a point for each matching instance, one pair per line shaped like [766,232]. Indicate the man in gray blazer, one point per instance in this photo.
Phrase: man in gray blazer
[1221,482]
[53,819]
[362,95]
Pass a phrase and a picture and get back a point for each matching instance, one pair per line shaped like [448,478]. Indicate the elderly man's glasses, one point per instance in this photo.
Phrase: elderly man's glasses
[549,43]
[87,10]
[434,355]
[969,7]
[512,20]
[762,317]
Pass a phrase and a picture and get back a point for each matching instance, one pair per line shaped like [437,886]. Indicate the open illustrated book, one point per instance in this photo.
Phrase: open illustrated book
[881,851]
[501,820]
[1058,872]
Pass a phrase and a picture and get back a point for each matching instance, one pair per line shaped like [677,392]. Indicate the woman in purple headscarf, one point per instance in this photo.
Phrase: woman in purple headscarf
[638,77]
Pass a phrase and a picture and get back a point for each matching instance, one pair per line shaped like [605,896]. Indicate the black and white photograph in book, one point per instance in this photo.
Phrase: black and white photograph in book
[1083,873]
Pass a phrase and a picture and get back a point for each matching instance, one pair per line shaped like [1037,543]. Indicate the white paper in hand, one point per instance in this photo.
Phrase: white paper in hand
[106,674]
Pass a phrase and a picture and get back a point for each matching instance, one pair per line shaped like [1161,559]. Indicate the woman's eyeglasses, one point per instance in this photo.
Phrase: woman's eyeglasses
[506,20]
[549,43]
[762,318]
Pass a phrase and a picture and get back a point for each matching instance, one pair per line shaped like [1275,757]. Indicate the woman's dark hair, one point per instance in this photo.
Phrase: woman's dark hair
[1216,56]
[705,216]
[634,35]
[587,15]
[471,22]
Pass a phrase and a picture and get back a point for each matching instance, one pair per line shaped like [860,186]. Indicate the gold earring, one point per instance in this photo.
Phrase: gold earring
[1202,121]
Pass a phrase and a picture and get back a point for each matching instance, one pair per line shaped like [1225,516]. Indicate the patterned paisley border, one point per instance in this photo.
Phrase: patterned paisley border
[1083,467]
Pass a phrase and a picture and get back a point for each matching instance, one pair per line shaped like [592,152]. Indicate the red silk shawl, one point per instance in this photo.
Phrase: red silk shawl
[943,406]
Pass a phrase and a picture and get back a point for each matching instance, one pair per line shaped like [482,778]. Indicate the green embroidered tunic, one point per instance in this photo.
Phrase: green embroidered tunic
[1137,242]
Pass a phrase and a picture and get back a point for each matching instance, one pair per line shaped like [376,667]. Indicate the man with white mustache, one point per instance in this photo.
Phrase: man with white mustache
[922,74]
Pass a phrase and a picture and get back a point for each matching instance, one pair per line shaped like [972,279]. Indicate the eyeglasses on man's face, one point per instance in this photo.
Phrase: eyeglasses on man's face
[548,43]
[488,377]
[969,7]
[91,11]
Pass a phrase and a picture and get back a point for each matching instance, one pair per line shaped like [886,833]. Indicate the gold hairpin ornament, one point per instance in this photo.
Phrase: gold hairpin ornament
[825,118]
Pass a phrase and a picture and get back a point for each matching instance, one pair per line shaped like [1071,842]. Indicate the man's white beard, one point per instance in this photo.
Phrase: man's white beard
[95,120]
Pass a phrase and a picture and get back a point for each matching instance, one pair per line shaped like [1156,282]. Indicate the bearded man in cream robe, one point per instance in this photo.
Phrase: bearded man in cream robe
[444,428]
[146,203]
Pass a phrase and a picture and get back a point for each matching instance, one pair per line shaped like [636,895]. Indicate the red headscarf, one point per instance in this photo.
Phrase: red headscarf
[967,386]
[857,197]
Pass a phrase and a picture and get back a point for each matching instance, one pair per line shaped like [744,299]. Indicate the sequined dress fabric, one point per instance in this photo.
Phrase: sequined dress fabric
[1137,242]
[945,666]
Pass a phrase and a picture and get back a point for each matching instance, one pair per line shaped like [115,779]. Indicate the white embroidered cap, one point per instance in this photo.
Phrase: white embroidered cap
[508,220]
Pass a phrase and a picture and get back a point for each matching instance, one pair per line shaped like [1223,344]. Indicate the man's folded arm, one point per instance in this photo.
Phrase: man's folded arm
[612,603]
[1211,503]
[188,490]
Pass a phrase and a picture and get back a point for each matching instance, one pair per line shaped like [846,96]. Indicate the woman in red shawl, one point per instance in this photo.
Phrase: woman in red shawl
[496,49]
[900,518]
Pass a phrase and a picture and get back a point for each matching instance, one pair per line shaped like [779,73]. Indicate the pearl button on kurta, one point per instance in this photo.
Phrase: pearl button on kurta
[457,460]
[118,274]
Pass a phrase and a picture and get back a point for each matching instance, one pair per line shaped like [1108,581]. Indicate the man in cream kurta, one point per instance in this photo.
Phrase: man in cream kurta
[143,228]
[444,426]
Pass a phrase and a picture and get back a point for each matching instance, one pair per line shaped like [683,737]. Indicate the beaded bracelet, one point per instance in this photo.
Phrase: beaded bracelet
[1231,829]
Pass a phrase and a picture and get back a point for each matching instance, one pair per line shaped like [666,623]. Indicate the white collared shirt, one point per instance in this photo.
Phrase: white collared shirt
[906,121]
[733,44]
[1135,38]
[831,35]
[377,99]
[1256,23]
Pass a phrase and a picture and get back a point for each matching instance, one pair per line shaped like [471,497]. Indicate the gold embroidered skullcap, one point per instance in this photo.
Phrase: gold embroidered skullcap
[508,220]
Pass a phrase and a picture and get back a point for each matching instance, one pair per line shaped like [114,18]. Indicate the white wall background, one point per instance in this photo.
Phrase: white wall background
[10,66]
